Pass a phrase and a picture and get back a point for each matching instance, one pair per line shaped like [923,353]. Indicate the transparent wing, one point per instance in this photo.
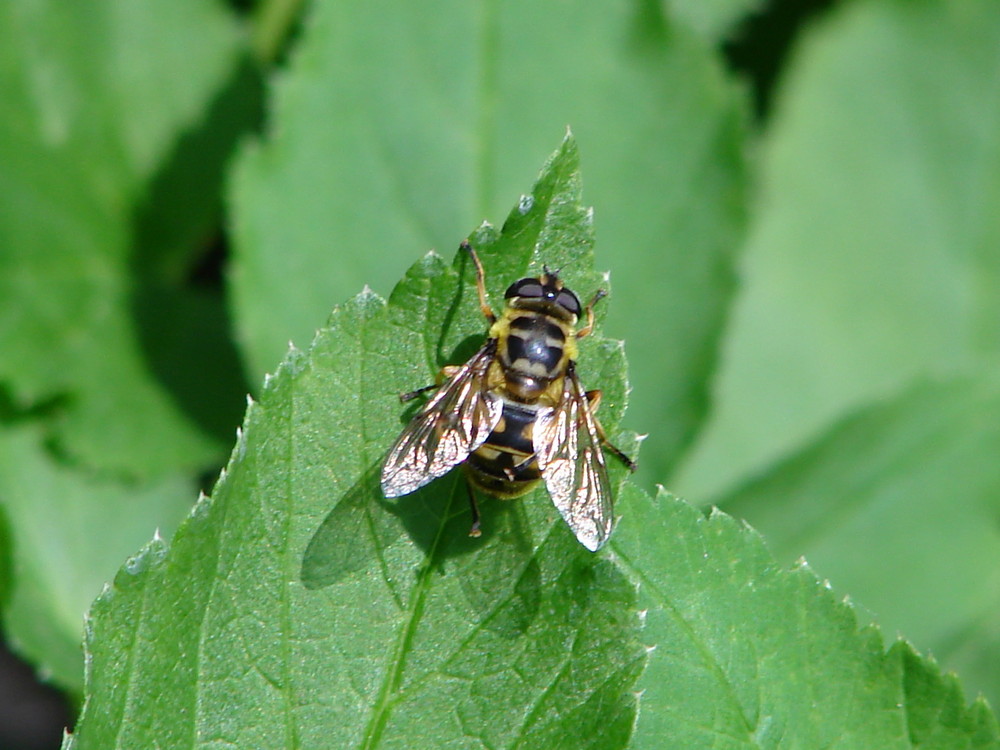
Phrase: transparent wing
[568,451]
[456,421]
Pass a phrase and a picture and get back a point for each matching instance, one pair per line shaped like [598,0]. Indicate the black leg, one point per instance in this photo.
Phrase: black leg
[404,397]
[474,531]
[593,400]
[629,463]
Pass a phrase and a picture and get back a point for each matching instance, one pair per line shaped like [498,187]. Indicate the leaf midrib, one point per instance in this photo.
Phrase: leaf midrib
[393,675]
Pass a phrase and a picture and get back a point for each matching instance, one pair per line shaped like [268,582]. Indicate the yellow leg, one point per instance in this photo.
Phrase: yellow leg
[480,283]
[588,329]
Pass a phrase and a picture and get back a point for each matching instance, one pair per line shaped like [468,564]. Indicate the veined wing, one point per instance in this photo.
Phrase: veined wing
[456,421]
[569,454]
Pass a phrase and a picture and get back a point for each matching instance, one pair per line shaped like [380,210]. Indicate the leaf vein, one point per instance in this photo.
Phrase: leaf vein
[702,648]
[393,674]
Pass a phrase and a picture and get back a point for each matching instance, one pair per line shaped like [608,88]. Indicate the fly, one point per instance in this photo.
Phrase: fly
[516,413]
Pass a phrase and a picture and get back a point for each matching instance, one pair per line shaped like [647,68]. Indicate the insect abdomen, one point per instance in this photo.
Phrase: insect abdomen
[505,465]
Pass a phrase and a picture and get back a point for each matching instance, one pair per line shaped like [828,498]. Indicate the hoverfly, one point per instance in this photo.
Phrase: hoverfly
[515,413]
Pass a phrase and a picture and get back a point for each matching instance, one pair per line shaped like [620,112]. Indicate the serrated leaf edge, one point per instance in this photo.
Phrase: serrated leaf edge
[868,635]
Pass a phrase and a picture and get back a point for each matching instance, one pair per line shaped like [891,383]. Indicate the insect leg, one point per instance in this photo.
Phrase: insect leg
[474,531]
[404,397]
[480,283]
[593,401]
[587,329]
[447,372]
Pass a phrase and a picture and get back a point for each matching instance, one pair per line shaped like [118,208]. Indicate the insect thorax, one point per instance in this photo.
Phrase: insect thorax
[533,351]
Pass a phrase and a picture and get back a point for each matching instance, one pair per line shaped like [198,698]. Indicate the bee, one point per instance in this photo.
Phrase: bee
[515,413]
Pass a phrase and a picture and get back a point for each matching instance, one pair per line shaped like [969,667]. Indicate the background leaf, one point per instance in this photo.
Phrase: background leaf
[5,561]
[872,259]
[95,97]
[714,19]
[871,269]
[468,99]
[118,379]
[909,489]
[69,534]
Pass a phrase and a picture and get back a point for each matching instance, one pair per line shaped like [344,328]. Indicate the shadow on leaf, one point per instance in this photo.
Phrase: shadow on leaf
[358,531]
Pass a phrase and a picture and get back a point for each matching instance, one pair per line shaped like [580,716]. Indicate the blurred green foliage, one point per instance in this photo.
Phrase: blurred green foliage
[809,300]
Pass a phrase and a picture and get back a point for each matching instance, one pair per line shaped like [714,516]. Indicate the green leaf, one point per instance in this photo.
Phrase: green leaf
[299,608]
[874,258]
[68,533]
[5,560]
[714,19]
[398,129]
[748,654]
[96,96]
[898,505]
[936,715]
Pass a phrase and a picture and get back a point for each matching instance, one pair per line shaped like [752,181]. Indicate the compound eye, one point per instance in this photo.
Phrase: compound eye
[568,300]
[525,288]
